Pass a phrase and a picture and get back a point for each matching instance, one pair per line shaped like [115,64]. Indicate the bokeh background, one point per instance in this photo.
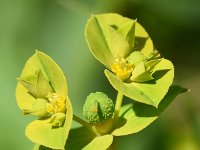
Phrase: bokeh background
[57,28]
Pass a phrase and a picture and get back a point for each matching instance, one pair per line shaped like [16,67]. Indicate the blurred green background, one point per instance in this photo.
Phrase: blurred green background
[57,28]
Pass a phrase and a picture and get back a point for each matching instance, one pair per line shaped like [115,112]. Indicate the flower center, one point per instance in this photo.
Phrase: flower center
[122,68]
[56,103]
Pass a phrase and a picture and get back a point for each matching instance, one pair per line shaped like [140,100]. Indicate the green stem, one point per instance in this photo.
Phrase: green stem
[118,104]
[85,124]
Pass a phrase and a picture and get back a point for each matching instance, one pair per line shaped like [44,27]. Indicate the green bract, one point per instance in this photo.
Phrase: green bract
[125,48]
[98,107]
[42,91]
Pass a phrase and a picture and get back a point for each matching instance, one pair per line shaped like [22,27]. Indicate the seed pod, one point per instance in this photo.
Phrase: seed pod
[98,107]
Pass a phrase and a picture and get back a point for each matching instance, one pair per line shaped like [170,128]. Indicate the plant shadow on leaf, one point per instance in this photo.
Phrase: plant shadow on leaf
[40,147]
[79,138]
[143,110]
[158,74]
[100,113]
[139,43]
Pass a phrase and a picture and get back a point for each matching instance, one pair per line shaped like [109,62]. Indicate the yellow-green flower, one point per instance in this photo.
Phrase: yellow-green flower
[42,92]
[133,65]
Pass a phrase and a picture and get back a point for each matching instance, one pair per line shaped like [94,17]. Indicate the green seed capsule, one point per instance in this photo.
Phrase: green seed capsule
[98,107]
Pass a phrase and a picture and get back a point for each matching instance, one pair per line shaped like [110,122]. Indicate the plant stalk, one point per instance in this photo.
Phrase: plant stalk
[118,104]
[85,124]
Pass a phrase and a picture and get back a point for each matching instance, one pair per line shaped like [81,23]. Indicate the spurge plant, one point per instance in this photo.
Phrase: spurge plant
[134,68]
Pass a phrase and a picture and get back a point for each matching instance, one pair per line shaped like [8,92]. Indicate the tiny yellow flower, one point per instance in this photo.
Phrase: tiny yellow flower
[56,103]
[122,68]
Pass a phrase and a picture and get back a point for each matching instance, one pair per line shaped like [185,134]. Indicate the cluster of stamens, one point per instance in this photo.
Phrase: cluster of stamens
[56,103]
[122,68]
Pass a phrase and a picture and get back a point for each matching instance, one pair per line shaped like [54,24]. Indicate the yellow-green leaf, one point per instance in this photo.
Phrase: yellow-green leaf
[36,84]
[140,74]
[135,58]
[39,108]
[97,42]
[128,31]
[57,119]
[143,41]
[118,44]
[41,132]
[135,117]
[100,143]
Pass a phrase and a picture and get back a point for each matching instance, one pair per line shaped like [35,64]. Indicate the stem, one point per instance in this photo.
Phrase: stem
[85,124]
[118,104]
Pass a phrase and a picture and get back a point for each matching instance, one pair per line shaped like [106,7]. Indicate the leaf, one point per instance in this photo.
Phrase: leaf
[36,84]
[143,42]
[135,58]
[151,92]
[39,108]
[154,55]
[109,35]
[135,117]
[139,69]
[140,74]
[149,65]
[100,143]
[53,72]
[143,77]
[97,42]
[41,131]
[118,44]
[57,119]
[79,138]
[128,31]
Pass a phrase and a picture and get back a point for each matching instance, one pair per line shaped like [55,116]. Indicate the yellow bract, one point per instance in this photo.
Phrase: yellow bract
[122,68]
[56,103]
